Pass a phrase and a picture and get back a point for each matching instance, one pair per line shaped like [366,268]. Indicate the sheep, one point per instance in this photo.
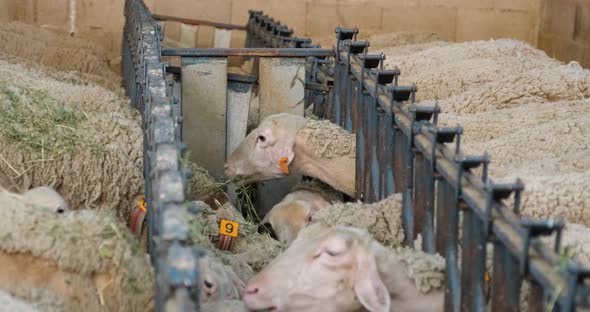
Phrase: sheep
[344,269]
[43,197]
[218,281]
[382,219]
[250,250]
[97,255]
[225,306]
[10,303]
[286,144]
[295,211]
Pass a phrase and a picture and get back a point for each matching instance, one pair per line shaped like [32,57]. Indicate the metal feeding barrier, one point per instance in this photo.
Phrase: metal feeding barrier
[400,148]
[175,262]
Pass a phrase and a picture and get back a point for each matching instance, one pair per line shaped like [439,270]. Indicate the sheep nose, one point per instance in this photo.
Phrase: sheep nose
[251,290]
[208,284]
[230,170]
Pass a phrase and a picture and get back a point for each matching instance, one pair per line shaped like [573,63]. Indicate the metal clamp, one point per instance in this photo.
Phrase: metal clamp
[535,228]
[441,136]
[496,193]
[466,164]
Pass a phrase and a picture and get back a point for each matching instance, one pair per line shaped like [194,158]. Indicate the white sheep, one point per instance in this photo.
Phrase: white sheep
[382,219]
[10,303]
[345,269]
[286,144]
[295,211]
[218,281]
[42,197]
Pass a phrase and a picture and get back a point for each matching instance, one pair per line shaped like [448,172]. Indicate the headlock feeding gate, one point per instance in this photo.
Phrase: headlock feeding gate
[400,148]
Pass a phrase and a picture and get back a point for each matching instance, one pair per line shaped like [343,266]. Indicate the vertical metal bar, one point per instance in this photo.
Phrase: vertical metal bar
[452,280]
[375,170]
[424,202]
[382,155]
[506,281]
[369,128]
[388,154]
[442,218]
[473,263]
[350,82]
[398,159]
[536,298]
[408,196]
[355,106]
[360,143]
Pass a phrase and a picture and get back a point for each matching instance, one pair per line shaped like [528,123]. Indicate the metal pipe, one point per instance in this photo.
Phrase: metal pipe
[190,21]
[260,52]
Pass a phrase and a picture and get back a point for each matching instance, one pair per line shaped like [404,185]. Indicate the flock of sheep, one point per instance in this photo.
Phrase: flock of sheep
[328,254]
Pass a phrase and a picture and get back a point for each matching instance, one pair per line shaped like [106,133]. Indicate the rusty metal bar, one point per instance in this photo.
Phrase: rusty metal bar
[190,21]
[259,52]
[505,281]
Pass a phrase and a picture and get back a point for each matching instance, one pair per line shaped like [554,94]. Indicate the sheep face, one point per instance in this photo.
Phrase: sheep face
[324,269]
[293,213]
[217,282]
[267,151]
[45,196]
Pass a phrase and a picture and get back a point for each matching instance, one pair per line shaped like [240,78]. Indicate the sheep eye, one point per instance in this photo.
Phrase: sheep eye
[261,138]
[332,253]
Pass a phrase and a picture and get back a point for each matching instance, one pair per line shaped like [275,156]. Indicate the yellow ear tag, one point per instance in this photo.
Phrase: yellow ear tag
[283,165]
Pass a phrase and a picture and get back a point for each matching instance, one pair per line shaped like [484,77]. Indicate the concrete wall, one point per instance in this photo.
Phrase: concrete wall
[564,31]
[7,10]
[561,27]
[456,20]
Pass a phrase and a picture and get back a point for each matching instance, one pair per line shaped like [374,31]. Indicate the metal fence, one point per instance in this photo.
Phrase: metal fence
[400,148]
[175,263]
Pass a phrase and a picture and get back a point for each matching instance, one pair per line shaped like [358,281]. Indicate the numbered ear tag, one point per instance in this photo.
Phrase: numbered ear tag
[228,231]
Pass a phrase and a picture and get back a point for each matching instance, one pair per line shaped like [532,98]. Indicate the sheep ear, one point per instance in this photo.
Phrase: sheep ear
[281,154]
[266,218]
[53,184]
[368,286]
[237,282]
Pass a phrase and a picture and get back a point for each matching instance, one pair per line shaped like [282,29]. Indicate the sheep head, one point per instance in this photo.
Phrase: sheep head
[324,269]
[293,213]
[267,151]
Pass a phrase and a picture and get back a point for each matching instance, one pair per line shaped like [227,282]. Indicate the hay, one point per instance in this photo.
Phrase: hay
[91,252]
[84,139]
[250,247]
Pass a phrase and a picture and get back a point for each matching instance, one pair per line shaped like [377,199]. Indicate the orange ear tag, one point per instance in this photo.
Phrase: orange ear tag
[283,165]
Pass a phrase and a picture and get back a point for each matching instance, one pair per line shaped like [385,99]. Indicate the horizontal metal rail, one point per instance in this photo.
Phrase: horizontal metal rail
[258,52]
[190,21]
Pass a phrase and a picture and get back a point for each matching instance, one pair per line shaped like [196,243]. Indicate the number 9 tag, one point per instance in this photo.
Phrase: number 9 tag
[229,228]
